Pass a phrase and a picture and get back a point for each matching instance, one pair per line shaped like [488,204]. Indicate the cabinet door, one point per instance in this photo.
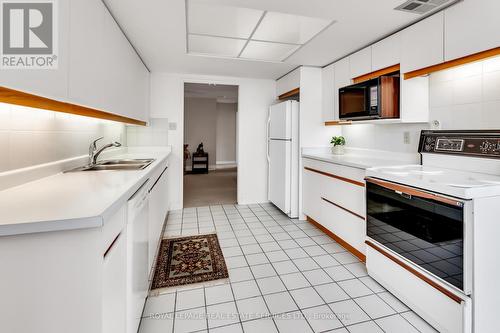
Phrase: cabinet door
[471,27]
[422,44]
[311,195]
[50,83]
[114,302]
[328,88]
[360,63]
[88,67]
[342,78]
[158,209]
[387,52]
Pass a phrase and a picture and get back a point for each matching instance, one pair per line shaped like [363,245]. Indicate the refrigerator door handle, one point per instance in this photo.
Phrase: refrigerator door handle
[267,133]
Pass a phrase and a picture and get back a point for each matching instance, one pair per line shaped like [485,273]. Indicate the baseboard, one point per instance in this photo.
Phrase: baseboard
[226,164]
[339,240]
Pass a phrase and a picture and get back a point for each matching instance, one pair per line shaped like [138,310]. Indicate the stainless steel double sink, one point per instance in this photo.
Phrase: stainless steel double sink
[125,164]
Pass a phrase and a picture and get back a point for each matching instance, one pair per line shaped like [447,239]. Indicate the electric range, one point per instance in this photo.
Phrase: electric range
[438,222]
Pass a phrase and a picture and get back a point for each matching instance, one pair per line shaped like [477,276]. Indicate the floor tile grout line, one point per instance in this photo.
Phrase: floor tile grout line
[242,220]
[261,294]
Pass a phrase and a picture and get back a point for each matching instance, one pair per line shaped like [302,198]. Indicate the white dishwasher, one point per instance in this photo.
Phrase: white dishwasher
[137,256]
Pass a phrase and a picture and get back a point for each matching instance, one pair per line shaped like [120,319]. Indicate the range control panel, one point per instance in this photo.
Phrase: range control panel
[468,143]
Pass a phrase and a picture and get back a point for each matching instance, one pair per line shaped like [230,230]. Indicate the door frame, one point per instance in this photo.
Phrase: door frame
[181,128]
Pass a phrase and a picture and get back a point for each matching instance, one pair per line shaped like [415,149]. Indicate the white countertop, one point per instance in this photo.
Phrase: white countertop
[360,158]
[456,183]
[75,200]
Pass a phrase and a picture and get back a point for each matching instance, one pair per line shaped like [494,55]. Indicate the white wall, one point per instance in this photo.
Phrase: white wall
[31,136]
[200,125]
[254,97]
[226,133]
[465,97]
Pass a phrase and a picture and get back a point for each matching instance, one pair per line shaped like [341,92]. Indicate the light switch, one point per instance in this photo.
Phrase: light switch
[172,126]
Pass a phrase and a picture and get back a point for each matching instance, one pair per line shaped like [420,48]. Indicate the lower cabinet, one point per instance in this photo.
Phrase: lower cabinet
[114,283]
[334,196]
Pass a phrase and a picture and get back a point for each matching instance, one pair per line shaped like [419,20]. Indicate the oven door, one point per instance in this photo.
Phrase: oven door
[425,228]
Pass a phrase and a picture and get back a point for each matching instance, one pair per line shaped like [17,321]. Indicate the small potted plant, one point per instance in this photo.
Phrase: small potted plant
[338,143]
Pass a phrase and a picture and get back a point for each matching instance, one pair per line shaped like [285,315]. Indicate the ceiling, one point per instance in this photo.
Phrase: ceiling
[221,92]
[158,30]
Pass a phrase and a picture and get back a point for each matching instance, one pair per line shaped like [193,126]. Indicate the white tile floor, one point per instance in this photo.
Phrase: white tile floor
[285,275]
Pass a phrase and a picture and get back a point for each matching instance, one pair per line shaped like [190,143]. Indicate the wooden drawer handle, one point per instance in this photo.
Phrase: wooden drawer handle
[345,209]
[347,180]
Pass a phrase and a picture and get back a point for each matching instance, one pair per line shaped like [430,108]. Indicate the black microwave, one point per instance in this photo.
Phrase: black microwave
[373,99]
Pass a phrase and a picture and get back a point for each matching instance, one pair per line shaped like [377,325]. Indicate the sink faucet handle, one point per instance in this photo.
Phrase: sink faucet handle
[92,149]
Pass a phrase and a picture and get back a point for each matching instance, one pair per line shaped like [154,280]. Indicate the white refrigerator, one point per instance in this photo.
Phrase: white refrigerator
[283,156]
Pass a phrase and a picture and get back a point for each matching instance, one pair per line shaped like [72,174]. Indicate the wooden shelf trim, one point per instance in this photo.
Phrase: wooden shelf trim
[415,272]
[347,180]
[11,96]
[291,93]
[344,209]
[377,73]
[453,63]
[339,240]
[338,122]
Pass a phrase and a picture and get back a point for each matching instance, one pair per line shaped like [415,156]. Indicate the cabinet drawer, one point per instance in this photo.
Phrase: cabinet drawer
[347,195]
[350,228]
[438,309]
[348,173]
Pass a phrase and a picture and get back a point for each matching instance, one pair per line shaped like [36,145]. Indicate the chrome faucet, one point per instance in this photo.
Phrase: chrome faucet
[94,152]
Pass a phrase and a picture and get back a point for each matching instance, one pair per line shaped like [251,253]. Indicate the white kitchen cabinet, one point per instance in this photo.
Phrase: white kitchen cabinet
[311,194]
[50,83]
[414,104]
[342,79]
[328,87]
[386,52]
[114,279]
[334,196]
[89,66]
[471,27]
[360,63]
[422,44]
[158,209]
[288,82]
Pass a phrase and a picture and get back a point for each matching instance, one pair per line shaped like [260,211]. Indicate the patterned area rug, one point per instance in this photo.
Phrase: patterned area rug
[189,260]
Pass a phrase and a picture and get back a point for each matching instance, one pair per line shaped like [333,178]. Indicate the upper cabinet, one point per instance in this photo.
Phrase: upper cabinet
[422,44]
[342,79]
[328,99]
[386,52]
[50,83]
[288,82]
[97,66]
[87,85]
[471,27]
[360,63]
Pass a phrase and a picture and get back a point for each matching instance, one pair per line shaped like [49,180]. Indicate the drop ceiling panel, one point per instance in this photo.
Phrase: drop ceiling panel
[288,28]
[226,47]
[222,20]
[267,51]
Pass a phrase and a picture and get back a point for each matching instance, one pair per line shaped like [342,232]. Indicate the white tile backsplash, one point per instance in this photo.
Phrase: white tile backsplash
[465,97]
[31,136]
[155,134]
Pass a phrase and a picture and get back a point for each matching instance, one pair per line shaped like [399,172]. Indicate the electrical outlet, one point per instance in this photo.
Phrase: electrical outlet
[406,138]
[172,126]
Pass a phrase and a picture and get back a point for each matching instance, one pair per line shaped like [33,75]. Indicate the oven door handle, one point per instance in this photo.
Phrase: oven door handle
[409,192]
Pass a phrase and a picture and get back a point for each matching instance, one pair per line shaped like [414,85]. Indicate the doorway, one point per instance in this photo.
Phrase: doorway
[210,147]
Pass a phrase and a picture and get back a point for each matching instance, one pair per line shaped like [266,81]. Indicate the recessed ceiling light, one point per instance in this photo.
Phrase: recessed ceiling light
[226,47]
[215,30]
[215,20]
[288,28]
[267,51]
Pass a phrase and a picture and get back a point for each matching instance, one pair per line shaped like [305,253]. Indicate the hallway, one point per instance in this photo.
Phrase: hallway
[218,187]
